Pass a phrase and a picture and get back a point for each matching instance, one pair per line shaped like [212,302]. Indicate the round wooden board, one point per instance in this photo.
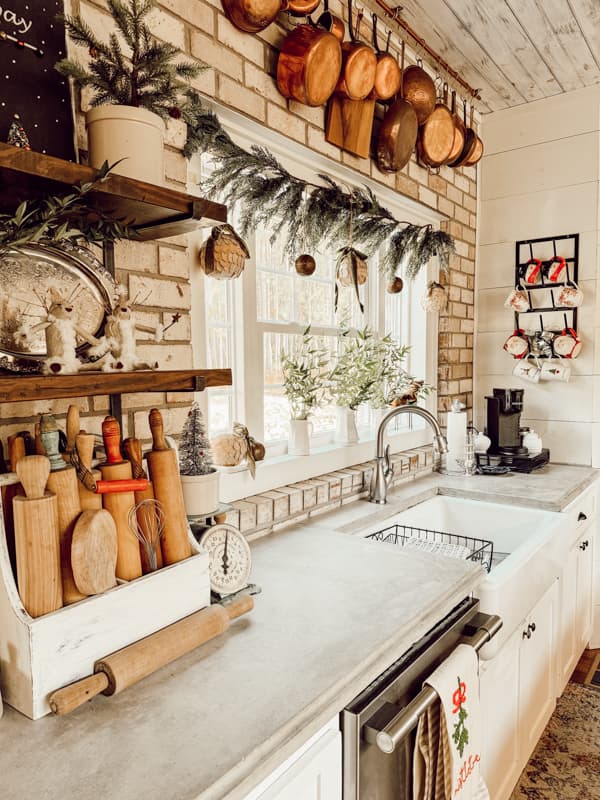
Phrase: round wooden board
[94,551]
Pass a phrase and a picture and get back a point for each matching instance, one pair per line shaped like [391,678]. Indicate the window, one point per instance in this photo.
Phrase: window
[246,324]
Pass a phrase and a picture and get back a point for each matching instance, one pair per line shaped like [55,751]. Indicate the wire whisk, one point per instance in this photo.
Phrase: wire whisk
[147,523]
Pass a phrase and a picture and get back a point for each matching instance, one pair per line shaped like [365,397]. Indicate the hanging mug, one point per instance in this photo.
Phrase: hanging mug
[567,344]
[518,299]
[533,271]
[556,269]
[540,343]
[528,371]
[517,344]
[552,371]
[570,296]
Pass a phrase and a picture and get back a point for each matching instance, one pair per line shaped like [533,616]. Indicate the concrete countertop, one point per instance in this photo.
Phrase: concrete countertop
[335,611]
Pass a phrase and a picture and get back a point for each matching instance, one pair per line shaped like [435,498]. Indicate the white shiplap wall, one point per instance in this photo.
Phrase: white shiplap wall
[540,176]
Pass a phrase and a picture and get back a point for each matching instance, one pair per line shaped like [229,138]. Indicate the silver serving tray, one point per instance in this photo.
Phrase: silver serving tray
[27,273]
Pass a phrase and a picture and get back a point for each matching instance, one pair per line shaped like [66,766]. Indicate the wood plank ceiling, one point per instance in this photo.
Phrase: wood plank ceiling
[514,51]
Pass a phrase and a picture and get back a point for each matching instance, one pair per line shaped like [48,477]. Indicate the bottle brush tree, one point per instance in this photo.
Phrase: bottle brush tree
[194,448]
[133,68]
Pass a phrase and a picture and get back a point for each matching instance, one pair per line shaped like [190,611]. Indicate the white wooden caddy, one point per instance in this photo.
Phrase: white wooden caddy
[40,655]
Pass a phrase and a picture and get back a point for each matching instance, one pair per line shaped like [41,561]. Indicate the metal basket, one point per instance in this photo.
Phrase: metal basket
[448,544]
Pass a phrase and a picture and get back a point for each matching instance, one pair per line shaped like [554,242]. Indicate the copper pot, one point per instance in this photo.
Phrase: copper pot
[331,23]
[419,90]
[309,65]
[470,144]
[387,74]
[436,136]
[459,132]
[252,16]
[477,151]
[302,8]
[398,132]
[359,64]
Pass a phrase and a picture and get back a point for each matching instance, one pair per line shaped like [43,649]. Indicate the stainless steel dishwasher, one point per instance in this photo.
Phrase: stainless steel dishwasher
[379,726]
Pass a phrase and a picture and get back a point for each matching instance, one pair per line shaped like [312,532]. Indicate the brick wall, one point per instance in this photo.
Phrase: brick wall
[241,77]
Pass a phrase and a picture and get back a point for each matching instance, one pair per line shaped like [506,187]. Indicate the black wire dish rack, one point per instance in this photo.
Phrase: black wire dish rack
[438,542]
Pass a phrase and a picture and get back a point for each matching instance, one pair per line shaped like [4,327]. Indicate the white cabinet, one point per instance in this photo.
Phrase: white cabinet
[576,604]
[517,689]
[313,772]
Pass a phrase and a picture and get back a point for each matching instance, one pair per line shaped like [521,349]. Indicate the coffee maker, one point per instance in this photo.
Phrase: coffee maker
[504,409]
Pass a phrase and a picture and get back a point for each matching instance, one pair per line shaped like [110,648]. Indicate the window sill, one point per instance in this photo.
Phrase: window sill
[237,483]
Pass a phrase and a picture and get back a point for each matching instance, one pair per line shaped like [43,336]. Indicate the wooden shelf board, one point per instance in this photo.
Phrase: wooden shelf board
[44,387]
[157,211]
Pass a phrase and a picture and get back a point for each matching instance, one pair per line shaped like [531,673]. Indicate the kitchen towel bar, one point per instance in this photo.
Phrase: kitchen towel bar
[408,717]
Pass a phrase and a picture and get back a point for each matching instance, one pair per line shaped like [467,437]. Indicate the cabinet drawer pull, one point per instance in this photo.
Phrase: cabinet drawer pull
[531,627]
[584,545]
[581,517]
[527,633]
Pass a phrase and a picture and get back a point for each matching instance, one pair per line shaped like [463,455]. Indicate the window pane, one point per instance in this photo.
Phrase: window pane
[277,415]
[274,296]
[216,300]
[217,348]
[220,412]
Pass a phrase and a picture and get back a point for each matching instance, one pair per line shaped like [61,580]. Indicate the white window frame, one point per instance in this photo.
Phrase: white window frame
[247,348]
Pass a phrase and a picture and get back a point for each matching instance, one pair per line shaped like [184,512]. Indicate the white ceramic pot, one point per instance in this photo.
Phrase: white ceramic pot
[133,134]
[299,437]
[200,493]
[345,426]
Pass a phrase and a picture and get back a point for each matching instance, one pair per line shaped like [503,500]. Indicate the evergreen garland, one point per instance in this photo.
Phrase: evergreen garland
[145,77]
[309,216]
[194,448]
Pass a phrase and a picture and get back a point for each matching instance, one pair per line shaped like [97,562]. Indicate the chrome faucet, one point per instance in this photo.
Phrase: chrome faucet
[384,469]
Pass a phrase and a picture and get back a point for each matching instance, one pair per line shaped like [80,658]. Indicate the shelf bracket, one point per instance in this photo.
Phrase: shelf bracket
[182,223]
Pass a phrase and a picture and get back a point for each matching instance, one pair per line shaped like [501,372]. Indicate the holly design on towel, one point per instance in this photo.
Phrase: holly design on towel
[460,736]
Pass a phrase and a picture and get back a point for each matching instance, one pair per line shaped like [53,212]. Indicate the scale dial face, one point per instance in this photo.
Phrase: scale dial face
[230,560]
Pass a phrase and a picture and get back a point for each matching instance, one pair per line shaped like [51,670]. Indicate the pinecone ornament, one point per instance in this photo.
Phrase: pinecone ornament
[223,254]
[435,299]
[228,450]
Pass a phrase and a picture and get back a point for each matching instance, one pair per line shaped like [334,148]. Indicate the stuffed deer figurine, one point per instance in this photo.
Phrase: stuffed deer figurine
[61,332]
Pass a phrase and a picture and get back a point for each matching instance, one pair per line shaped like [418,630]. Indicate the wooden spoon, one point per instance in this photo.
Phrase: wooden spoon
[94,551]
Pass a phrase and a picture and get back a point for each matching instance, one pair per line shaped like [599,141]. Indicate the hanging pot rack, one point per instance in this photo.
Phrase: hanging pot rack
[393,14]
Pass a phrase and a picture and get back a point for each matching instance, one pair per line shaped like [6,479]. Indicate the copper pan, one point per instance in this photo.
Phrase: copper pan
[459,131]
[309,65]
[470,142]
[387,75]
[359,64]
[331,23]
[477,151]
[436,136]
[301,8]
[398,132]
[252,16]
[419,90]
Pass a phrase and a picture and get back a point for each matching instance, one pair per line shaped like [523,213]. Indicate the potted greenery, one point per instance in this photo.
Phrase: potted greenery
[199,479]
[397,386]
[354,379]
[303,372]
[136,84]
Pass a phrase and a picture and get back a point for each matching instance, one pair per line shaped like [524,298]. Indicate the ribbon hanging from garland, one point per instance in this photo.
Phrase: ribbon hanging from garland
[303,213]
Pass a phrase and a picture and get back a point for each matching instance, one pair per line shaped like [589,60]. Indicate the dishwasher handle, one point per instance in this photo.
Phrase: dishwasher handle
[407,718]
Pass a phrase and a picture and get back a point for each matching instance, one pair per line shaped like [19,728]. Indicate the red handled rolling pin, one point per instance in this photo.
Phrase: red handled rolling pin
[72,429]
[119,670]
[129,563]
[164,474]
[148,523]
[84,445]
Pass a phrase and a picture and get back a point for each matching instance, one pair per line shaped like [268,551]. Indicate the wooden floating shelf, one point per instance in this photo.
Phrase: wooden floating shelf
[50,387]
[154,211]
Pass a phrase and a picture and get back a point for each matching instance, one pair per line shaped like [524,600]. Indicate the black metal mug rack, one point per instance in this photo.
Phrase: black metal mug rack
[528,248]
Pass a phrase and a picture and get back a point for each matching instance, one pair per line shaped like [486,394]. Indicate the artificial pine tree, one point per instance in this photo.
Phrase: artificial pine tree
[194,448]
[143,76]
[17,135]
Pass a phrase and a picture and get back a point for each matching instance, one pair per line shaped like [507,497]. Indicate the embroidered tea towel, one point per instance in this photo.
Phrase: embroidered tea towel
[448,748]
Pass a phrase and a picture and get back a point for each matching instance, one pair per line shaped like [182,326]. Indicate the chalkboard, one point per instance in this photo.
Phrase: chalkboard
[29,84]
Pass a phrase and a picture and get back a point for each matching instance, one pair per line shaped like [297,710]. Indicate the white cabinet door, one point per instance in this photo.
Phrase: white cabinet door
[585,586]
[567,647]
[316,775]
[537,671]
[499,691]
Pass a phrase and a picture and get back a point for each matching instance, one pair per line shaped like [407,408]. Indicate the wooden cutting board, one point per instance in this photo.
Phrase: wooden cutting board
[94,551]
[349,125]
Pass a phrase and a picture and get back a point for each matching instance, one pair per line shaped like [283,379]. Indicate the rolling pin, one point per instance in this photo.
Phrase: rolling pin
[119,670]
[148,524]
[16,450]
[129,563]
[64,484]
[37,539]
[164,474]
[72,429]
